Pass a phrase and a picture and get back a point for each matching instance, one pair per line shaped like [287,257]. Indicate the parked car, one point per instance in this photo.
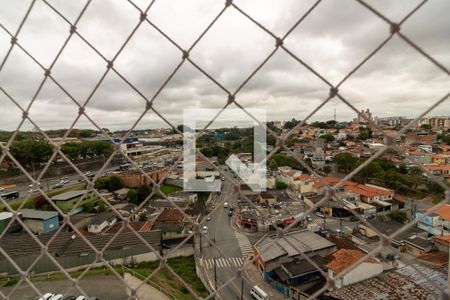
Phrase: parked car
[230,213]
[2,190]
[46,296]
[320,215]
[70,298]
[208,218]
[81,298]
[225,204]
[205,229]
[308,218]
[57,297]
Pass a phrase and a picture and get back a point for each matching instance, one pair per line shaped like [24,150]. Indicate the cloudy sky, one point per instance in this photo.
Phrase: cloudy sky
[333,39]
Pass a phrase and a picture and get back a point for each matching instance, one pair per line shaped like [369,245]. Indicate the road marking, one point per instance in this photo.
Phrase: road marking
[223,262]
[244,244]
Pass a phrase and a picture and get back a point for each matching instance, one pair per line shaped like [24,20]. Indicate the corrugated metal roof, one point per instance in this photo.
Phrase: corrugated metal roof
[23,245]
[69,195]
[304,241]
[38,214]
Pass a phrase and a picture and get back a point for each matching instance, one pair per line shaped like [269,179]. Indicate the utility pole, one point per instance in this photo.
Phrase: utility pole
[242,287]
[215,274]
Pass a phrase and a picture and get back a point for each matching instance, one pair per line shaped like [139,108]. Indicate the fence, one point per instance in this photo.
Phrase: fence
[393,29]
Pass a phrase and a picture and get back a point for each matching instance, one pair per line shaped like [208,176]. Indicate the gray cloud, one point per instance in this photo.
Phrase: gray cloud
[335,38]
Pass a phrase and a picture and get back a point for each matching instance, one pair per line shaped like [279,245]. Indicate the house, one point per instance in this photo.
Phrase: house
[5,219]
[39,221]
[170,222]
[416,245]
[303,184]
[300,272]
[274,252]
[439,170]
[431,223]
[102,221]
[437,222]
[343,259]
[67,201]
[121,194]
[440,159]
[368,235]
[421,157]
[442,243]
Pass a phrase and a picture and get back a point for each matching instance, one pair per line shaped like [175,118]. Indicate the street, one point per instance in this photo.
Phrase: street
[234,248]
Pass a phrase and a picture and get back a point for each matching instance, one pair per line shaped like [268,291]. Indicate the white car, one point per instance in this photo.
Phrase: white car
[46,296]
[64,180]
[2,190]
[57,297]
[208,218]
[81,298]
[205,229]
[319,214]
[225,205]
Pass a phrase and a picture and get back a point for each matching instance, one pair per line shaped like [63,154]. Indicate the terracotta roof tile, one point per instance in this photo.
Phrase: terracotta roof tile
[345,258]
[443,212]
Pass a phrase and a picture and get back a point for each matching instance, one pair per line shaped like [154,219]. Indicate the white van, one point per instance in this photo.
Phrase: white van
[257,293]
[225,205]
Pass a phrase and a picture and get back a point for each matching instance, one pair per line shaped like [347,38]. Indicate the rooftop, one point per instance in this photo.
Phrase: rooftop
[343,259]
[170,215]
[303,240]
[69,195]
[10,243]
[443,212]
[38,214]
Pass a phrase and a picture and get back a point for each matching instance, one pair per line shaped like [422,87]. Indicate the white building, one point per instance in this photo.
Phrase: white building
[343,259]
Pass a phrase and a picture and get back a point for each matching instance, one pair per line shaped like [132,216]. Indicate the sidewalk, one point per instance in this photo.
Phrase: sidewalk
[254,276]
[146,291]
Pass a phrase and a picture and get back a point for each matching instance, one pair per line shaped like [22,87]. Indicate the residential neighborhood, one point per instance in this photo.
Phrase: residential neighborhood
[325,233]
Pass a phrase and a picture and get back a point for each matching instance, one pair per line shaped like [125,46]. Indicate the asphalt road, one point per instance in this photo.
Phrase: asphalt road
[230,256]
[103,287]
[25,189]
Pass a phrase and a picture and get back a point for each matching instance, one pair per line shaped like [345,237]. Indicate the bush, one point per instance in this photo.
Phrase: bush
[398,216]
[110,183]
[142,193]
[132,196]
[11,281]
[280,185]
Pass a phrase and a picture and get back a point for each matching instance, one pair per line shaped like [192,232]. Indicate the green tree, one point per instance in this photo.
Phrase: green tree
[327,137]
[327,169]
[273,164]
[30,152]
[72,150]
[398,216]
[102,183]
[115,183]
[101,207]
[89,206]
[143,192]
[143,217]
[86,133]
[132,196]
[426,126]
[290,124]
[345,161]
[279,185]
